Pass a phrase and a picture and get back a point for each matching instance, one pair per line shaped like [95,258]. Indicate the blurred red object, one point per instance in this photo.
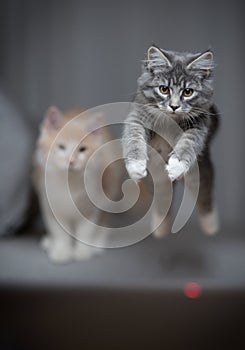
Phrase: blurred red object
[192,290]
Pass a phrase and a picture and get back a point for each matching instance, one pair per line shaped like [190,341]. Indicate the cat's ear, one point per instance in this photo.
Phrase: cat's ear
[157,57]
[203,62]
[53,118]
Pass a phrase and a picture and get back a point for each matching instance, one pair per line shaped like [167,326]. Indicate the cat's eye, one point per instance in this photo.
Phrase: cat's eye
[187,92]
[82,149]
[164,89]
[61,146]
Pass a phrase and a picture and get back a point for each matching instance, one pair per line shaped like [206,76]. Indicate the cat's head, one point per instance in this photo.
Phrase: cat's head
[68,138]
[179,84]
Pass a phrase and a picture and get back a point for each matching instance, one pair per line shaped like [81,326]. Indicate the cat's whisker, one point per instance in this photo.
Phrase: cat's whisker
[202,110]
[171,81]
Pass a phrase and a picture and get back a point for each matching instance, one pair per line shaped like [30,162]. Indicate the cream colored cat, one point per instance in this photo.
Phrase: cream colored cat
[62,154]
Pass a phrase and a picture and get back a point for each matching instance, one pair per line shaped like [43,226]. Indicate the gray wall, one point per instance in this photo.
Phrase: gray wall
[87,53]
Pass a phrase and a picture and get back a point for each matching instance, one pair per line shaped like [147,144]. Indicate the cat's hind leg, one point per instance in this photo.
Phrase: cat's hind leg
[161,212]
[208,215]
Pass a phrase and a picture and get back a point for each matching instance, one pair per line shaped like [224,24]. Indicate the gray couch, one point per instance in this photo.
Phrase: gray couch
[88,53]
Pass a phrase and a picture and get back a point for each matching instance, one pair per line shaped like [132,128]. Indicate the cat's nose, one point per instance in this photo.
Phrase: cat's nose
[71,163]
[174,107]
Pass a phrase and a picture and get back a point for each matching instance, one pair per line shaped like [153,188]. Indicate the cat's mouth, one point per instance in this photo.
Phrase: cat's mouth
[72,166]
[75,167]
[171,110]
[175,113]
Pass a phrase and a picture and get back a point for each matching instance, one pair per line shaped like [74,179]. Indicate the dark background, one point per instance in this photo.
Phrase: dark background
[87,53]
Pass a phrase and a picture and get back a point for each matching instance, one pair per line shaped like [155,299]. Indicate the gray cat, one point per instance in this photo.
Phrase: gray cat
[174,88]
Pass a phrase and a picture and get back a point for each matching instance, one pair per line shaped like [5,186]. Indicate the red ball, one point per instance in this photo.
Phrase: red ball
[192,290]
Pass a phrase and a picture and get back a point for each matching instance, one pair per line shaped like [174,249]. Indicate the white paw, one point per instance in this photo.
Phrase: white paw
[176,168]
[46,243]
[85,252]
[210,222]
[136,169]
[60,253]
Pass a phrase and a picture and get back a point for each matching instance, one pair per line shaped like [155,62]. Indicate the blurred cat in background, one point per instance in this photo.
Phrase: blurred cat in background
[66,143]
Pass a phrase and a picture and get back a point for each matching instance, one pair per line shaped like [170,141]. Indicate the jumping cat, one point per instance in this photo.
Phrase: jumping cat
[174,87]
[63,152]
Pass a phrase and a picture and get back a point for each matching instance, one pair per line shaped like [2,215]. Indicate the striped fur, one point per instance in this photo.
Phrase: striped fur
[196,115]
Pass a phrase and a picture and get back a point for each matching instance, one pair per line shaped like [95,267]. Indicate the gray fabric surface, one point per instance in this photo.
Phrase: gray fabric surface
[15,157]
[214,262]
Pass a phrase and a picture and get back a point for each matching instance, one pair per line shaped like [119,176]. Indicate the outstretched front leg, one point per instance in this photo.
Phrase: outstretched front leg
[186,151]
[58,242]
[89,235]
[135,146]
